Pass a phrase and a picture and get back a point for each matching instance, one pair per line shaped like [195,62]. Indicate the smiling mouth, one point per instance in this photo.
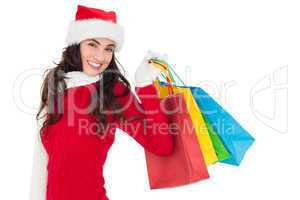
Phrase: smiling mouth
[94,65]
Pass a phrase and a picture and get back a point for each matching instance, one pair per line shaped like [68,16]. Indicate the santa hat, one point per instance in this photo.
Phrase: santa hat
[91,23]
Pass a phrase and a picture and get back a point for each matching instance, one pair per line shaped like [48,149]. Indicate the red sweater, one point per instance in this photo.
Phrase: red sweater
[77,155]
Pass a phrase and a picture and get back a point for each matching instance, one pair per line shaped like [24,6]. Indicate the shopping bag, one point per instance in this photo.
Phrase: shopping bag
[186,164]
[221,151]
[201,130]
[199,125]
[236,139]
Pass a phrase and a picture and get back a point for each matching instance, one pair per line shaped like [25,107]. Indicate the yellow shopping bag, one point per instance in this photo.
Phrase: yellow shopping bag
[201,130]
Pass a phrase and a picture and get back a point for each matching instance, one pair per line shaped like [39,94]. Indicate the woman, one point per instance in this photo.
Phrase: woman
[84,99]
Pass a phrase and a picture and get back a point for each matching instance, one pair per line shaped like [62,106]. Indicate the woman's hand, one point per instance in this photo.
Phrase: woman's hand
[146,72]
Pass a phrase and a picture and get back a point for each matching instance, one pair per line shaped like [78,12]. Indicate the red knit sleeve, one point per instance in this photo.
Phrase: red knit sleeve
[145,121]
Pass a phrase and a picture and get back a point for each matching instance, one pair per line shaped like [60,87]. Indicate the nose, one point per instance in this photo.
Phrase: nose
[99,56]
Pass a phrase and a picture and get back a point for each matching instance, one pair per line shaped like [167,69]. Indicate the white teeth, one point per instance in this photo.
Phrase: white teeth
[94,64]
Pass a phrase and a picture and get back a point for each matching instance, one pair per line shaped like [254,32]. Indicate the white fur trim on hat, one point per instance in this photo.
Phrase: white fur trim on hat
[91,28]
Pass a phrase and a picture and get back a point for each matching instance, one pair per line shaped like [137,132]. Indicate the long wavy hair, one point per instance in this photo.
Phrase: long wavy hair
[54,84]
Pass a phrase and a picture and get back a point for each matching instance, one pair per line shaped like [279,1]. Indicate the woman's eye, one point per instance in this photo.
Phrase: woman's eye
[110,50]
[92,45]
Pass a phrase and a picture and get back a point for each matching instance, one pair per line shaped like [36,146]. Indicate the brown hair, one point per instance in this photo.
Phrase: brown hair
[54,83]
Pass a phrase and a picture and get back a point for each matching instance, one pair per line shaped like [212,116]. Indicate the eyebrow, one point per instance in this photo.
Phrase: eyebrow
[99,43]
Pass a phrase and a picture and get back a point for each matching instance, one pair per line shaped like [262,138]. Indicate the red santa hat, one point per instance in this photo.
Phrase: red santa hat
[91,23]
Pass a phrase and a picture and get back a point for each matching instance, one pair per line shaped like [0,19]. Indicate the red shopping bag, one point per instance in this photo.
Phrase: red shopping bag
[186,164]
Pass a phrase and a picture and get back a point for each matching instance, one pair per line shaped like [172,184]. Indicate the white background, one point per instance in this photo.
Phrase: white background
[251,48]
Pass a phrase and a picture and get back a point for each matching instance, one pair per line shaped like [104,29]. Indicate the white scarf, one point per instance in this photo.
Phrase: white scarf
[79,78]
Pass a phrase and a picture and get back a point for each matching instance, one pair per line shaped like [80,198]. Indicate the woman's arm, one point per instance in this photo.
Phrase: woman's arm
[145,121]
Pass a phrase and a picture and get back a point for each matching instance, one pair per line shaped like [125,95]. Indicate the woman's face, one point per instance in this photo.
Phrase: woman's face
[96,54]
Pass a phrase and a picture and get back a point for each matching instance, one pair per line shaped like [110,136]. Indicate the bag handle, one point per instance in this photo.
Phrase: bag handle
[166,74]
[166,68]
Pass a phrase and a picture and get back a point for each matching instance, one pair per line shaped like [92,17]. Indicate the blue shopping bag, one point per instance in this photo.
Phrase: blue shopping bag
[236,139]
